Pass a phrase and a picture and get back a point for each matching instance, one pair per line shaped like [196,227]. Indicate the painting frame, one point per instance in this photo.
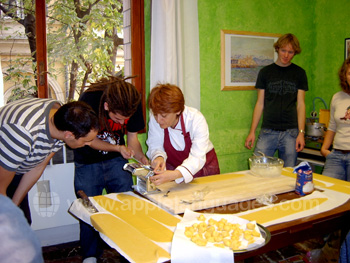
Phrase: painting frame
[243,54]
[347,48]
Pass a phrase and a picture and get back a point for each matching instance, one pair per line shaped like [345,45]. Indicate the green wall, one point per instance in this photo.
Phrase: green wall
[320,26]
[330,18]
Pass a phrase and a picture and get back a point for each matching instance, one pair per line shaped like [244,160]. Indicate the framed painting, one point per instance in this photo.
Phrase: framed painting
[243,54]
[347,47]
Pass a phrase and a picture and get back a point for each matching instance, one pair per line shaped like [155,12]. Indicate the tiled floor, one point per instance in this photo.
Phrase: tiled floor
[70,253]
[321,251]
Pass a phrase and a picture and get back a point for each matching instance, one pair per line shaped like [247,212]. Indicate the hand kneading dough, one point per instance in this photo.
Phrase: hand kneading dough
[139,248]
[137,218]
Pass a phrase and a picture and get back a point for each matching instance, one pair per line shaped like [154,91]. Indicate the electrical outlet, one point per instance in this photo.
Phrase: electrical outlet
[44,193]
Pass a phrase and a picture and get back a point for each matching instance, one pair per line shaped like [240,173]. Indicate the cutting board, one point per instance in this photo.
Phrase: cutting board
[217,190]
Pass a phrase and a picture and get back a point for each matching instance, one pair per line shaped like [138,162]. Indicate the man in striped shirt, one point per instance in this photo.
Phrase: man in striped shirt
[31,132]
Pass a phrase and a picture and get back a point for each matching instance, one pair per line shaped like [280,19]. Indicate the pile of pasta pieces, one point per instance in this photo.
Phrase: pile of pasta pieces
[222,233]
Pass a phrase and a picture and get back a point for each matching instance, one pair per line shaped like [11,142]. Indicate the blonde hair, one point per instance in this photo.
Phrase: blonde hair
[288,39]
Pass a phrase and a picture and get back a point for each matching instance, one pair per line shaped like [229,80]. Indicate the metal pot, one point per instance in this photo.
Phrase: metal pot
[315,129]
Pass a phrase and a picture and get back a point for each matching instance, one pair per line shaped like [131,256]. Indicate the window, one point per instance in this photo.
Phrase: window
[19,11]
[134,45]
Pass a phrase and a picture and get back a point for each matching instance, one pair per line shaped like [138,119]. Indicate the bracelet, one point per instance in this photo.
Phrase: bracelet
[302,131]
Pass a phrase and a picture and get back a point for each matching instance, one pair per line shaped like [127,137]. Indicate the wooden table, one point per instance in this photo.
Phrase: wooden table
[294,231]
[289,232]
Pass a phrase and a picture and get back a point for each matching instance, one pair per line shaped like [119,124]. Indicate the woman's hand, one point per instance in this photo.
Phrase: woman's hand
[158,165]
[165,176]
[325,152]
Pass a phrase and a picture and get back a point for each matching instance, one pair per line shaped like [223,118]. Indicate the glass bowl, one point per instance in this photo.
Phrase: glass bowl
[265,166]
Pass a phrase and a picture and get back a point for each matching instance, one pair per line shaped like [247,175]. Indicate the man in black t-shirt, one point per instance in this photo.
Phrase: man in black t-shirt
[100,165]
[281,99]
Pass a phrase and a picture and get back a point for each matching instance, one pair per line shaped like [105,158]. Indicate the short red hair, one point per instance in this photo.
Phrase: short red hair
[166,98]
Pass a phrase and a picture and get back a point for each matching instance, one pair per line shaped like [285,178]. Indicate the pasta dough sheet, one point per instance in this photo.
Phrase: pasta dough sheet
[136,217]
[150,210]
[283,209]
[139,248]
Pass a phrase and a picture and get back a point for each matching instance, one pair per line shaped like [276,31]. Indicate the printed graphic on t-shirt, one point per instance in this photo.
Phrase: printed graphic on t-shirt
[347,115]
[282,87]
[107,137]
[115,138]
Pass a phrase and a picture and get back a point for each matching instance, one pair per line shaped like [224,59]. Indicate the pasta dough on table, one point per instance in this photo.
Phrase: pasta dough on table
[223,233]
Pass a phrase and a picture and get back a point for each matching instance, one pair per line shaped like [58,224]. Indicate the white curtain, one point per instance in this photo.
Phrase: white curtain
[175,47]
[1,87]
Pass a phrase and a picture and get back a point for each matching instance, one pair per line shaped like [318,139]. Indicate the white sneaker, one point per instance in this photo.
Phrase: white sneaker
[90,260]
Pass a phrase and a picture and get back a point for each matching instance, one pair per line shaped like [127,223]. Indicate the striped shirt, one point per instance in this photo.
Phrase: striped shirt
[25,139]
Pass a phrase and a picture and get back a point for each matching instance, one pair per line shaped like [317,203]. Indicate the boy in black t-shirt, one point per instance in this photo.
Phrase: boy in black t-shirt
[281,99]
[100,165]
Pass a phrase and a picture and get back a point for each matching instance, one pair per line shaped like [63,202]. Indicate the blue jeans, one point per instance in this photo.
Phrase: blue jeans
[269,141]
[92,179]
[344,256]
[337,165]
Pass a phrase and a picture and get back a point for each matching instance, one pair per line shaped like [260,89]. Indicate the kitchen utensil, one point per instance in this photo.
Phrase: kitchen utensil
[265,166]
[143,174]
[146,166]
[140,163]
[86,202]
[189,202]
[315,129]
[136,160]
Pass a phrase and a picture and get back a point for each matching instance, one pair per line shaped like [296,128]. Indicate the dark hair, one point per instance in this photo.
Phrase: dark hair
[166,98]
[77,117]
[288,39]
[342,76]
[122,97]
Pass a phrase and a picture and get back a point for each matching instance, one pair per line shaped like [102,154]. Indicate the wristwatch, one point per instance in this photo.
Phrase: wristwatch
[302,131]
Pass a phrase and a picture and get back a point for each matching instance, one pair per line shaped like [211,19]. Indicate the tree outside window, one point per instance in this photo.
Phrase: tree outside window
[83,41]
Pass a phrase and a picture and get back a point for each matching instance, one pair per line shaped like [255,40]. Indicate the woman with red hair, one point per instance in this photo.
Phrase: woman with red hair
[178,138]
